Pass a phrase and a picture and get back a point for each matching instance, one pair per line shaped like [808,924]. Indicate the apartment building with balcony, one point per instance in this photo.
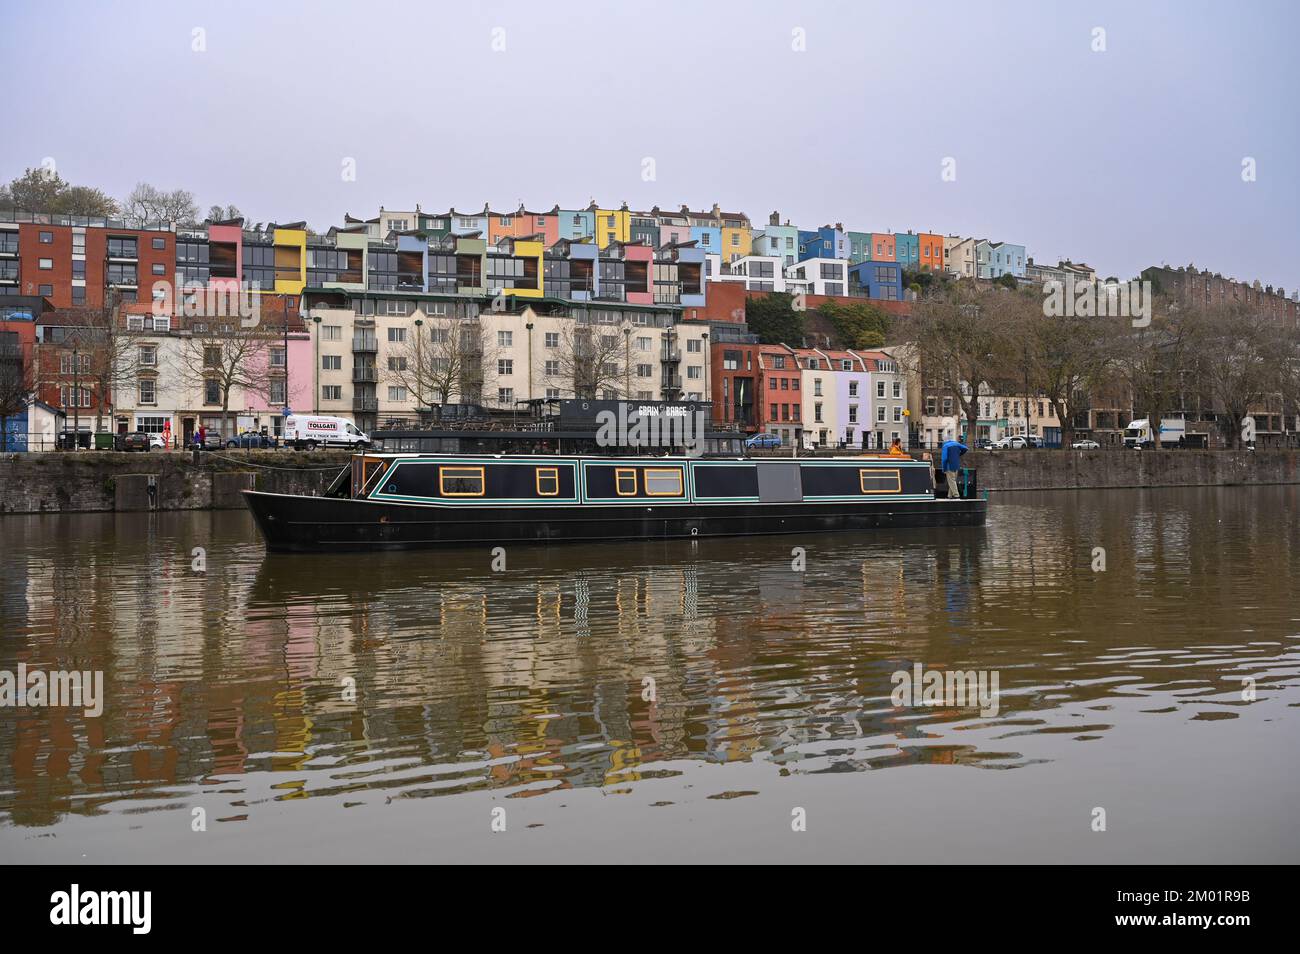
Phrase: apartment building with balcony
[82,261]
[819,276]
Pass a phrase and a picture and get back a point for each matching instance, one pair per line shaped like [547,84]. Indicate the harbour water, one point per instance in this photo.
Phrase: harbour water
[724,700]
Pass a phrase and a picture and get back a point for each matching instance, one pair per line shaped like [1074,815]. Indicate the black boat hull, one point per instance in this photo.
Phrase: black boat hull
[296,523]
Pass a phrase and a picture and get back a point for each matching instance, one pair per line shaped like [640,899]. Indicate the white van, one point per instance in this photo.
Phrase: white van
[312,430]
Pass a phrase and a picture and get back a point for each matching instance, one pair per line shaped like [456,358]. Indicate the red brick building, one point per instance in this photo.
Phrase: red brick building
[73,260]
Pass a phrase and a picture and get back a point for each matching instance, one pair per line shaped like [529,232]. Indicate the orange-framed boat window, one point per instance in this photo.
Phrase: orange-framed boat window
[460,481]
[663,481]
[548,481]
[625,481]
[880,480]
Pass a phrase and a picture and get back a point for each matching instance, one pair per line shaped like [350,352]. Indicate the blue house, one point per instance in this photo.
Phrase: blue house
[907,249]
[879,280]
[829,241]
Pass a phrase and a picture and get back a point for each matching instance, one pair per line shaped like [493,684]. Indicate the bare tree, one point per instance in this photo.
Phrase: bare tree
[592,358]
[1244,360]
[963,341]
[446,362]
[149,204]
[1151,361]
[216,359]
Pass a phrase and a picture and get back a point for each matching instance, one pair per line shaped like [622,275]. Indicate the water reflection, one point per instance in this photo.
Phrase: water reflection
[428,674]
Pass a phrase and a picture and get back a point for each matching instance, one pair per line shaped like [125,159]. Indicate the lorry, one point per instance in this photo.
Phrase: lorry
[1173,433]
[318,430]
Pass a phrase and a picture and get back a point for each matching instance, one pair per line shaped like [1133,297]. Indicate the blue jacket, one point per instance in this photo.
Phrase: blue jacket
[950,455]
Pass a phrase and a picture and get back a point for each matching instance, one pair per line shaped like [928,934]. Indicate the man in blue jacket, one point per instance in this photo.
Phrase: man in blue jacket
[950,463]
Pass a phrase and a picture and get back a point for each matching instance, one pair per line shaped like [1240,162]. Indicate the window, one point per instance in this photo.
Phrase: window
[331,362]
[148,391]
[663,481]
[625,481]
[880,480]
[548,481]
[460,481]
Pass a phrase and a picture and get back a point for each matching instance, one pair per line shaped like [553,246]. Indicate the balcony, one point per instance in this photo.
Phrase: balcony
[365,374]
[365,344]
[364,405]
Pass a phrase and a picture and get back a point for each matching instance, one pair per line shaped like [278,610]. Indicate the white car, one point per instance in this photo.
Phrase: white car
[1085,445]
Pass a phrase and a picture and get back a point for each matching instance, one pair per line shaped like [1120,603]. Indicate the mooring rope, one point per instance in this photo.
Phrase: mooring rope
[253,463]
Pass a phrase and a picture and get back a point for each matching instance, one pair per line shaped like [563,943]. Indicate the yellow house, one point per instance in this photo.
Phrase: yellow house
[737,236]
[290,261]
[531,252]
[612,225]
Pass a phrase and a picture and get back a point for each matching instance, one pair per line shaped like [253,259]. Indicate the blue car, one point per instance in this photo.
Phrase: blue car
[763,440]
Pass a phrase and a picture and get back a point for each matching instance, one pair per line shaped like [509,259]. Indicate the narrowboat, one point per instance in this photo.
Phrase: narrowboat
[433,500]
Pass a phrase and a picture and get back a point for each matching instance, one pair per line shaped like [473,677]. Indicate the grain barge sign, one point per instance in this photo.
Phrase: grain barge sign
[666,425]
[580,415]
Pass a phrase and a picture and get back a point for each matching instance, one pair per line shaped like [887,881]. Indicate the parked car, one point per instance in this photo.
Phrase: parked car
[252,439]
[134,441]
[1085,445]
[763,440]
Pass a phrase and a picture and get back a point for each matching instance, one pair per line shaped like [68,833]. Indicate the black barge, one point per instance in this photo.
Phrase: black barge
[398,501]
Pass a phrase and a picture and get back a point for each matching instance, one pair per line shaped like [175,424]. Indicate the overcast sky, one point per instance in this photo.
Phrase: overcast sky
[1122,158]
